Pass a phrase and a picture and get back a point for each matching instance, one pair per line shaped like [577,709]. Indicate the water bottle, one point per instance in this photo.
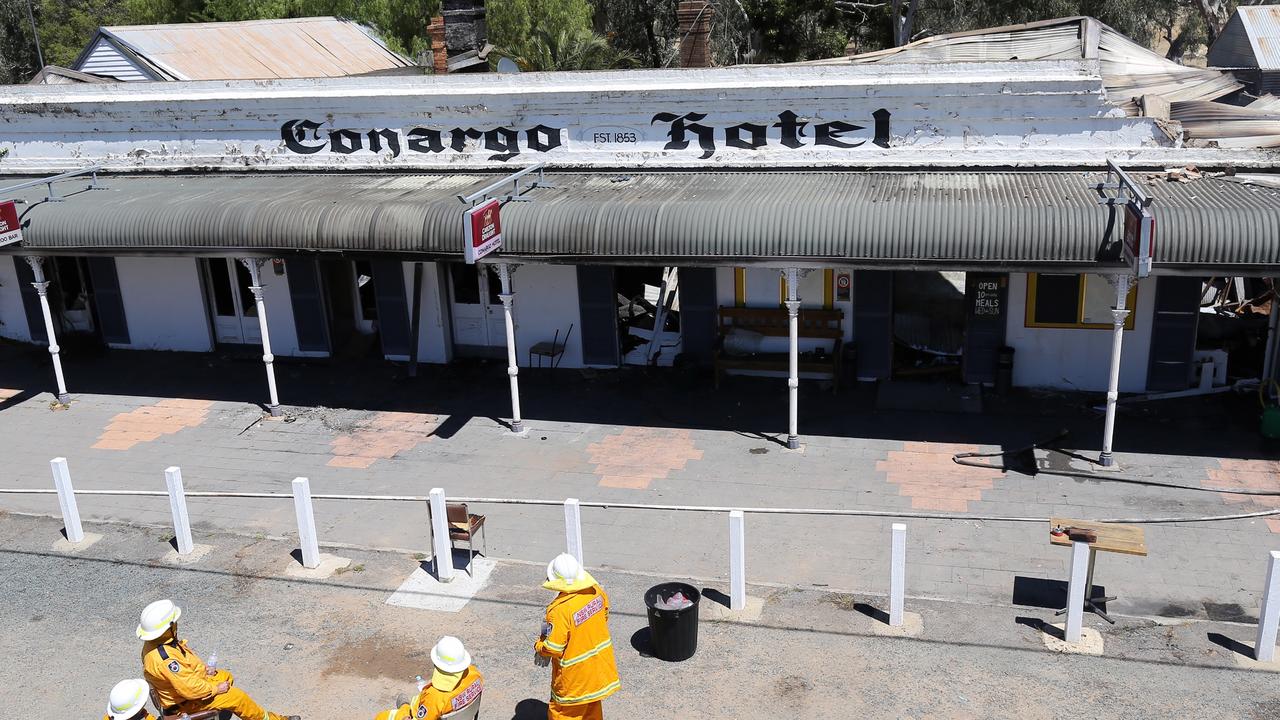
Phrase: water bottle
[421,683]
[212,662]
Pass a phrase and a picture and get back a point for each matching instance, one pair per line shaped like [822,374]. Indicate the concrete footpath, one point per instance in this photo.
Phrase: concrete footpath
[660,438]
[332,649]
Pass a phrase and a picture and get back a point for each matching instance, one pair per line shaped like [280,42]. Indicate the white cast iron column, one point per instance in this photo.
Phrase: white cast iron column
[42,289]
[793,378]
[1118,316]
[255,277]
[513,369]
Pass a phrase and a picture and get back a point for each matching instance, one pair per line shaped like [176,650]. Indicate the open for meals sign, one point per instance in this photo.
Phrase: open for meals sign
[10,227]
[483,228]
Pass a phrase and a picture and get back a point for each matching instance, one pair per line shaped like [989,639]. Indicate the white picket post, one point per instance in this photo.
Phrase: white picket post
[306,523]
[1076,590]
[737,561]
[898,574]
[440,545]
[1264,648]
[573,528]
[67,499]
[178,507]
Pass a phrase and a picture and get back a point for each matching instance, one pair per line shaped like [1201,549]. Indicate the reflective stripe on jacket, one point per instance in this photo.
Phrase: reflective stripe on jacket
[432,703]
[581,651]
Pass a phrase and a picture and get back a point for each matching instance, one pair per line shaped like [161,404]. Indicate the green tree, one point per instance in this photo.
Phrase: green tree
[551,35]
[17,45]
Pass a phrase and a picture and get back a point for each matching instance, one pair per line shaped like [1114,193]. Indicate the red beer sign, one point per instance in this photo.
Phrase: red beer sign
[483,229]
[10,226]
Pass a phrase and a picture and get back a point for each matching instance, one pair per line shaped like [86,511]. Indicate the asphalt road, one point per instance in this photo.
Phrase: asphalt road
[332,649]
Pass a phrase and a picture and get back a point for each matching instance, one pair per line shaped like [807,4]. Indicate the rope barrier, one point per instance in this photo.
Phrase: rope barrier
[907,514]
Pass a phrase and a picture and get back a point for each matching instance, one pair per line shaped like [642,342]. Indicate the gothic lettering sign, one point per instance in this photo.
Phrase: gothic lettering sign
[996,114]
[10,226]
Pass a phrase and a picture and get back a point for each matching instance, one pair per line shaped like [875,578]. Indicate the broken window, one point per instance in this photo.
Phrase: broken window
[1057,300]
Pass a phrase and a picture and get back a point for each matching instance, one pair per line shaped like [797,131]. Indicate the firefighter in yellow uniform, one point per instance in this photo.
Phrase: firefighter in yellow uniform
[180,678]
[128,701]
[576,638]
[455,684]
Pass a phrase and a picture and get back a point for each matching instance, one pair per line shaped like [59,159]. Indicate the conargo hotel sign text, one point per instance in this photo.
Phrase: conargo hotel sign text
[998,114]
[670,131]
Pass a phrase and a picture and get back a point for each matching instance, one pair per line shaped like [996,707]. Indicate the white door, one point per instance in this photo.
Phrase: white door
[478,323]
[235,315]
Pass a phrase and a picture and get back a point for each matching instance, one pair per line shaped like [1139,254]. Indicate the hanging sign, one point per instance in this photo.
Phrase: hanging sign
[1139,238]
[482,226]
[10,226]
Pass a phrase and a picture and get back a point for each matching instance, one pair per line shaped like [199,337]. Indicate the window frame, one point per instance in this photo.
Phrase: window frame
[1131,303]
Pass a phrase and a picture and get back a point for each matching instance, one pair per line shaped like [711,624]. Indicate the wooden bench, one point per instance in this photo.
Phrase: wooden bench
[773,322]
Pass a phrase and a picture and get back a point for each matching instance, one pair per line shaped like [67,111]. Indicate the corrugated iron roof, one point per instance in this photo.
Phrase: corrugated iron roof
[1262,25]
[890,219]
[257,49]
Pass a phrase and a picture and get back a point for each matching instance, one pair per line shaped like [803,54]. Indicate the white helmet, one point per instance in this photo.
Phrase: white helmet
[450,656]
[564,568]
[127,698]
[156,619]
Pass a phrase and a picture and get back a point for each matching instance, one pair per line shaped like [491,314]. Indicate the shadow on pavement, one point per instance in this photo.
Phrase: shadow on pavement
[1224,425]
[530,709]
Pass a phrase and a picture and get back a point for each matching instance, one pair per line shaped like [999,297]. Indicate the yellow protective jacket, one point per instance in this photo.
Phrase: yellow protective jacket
[175,672]
[582,664]
[145,716]
[433,703]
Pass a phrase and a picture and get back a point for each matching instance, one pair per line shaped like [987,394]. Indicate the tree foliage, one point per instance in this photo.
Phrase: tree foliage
[564,34]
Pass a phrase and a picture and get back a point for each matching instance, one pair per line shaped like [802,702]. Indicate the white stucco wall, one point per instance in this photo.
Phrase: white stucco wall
[164,304]
[284,335]
[546,301]
[433,330]
[13,319]
[1077,359]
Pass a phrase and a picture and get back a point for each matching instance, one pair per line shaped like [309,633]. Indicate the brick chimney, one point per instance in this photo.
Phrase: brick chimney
[694,17]
[439,53]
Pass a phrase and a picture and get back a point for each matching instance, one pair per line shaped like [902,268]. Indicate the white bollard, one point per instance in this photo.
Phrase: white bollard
[1076,590]
[440,545]
[306,523]
[573,528]
[67,500]
[1264,648]
[178,506]
[898,574]
[737,561]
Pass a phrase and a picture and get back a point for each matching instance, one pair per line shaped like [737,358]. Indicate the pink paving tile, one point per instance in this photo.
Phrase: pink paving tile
[635,457]
[151,422]
[926,473]
[382,436]
[1249,475]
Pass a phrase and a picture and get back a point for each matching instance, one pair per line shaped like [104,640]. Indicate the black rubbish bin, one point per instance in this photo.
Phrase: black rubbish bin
[1004,370]
[673,633]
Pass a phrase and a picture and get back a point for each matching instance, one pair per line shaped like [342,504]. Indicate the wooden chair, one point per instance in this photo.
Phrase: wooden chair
[463,526]
[160,713]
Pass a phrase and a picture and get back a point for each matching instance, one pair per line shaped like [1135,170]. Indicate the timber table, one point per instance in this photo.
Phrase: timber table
[1123,539]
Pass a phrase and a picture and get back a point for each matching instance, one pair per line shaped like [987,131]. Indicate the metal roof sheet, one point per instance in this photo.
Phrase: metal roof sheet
[1262,24]
[257,49]
[1005,219]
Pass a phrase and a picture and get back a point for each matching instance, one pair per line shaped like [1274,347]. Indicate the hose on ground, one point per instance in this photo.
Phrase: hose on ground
[895,514]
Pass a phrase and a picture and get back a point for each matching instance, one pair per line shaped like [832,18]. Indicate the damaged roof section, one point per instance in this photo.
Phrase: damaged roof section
[1139,81]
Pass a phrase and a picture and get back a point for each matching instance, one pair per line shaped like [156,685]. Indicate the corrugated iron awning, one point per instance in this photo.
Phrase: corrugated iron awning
[892,219]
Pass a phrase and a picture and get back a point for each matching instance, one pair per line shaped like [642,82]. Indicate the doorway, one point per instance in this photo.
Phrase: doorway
[928,324]
[648,314]
[231,304]
[479,327]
